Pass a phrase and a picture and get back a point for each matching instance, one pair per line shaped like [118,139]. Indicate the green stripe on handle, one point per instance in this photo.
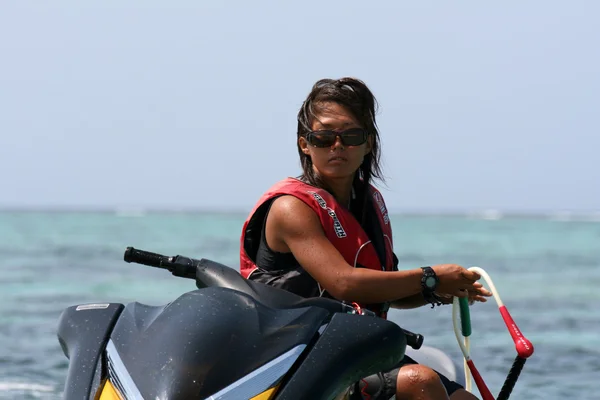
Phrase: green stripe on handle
[465,316]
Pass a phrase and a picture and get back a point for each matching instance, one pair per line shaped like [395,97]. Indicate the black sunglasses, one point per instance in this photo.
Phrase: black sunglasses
[349,137]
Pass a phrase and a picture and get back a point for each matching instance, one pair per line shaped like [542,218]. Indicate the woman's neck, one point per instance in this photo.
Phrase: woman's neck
[341,188]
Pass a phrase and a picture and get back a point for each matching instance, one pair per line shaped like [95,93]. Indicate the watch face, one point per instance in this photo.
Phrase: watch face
[430,282]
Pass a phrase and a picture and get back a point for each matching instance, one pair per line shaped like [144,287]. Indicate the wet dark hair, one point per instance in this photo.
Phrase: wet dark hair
[355,96]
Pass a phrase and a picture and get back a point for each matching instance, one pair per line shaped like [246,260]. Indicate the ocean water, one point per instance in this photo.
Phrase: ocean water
[546,271]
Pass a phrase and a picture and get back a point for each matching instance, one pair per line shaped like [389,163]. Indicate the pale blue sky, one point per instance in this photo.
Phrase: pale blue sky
[192,104]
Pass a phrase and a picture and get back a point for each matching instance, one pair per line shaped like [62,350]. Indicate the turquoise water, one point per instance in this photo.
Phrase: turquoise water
[547,273]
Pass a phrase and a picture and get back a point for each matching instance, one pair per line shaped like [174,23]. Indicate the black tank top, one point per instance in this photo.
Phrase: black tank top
[269,259]
[282,270]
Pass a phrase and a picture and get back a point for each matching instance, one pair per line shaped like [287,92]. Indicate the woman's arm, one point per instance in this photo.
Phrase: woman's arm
[418,300]
[294,226]
[413,301]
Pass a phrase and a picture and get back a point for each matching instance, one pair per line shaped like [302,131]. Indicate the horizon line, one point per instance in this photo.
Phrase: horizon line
[490,213]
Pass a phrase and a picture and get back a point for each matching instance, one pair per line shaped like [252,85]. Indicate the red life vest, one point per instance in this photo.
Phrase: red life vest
[340,226]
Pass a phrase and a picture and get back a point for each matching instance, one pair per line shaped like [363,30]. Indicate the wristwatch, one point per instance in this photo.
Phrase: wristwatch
[429,282]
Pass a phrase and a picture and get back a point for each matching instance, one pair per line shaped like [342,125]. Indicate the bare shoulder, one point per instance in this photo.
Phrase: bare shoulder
[293,217]
[288,204]
[293,226]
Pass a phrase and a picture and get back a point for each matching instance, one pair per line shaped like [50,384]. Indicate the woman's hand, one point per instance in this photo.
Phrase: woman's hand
[473,297]
[448,299]
[455,280]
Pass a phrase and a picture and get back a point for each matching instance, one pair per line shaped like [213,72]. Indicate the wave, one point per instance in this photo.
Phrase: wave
[488,215]
[25,387]
[568,216]
[130,212]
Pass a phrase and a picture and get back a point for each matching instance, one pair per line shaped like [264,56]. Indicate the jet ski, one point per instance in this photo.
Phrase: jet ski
[229,339]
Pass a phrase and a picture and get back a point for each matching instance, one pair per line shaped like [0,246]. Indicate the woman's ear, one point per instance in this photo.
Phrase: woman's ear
[303,145]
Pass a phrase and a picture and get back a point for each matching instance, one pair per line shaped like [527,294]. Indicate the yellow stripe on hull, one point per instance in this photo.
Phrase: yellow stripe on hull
[109,392]
[266,395]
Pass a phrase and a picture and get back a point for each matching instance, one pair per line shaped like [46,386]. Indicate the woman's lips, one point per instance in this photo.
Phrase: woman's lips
[337,159]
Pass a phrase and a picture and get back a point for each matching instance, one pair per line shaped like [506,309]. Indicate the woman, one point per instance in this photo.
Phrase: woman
[328,233]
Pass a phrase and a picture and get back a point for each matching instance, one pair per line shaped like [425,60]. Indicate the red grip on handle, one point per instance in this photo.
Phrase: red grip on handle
[524,346]
[483,389]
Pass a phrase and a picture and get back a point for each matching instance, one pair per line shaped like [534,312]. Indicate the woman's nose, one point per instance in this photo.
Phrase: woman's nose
[338,142]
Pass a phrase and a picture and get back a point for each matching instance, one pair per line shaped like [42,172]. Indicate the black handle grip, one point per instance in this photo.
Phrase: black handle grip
[414,340]
[145,257]
[511,379]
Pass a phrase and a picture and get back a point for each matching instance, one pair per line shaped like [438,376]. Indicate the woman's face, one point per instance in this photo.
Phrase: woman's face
[340,159]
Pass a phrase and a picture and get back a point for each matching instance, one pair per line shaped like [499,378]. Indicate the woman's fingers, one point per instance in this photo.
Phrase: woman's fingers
[461,293]
[471,276]
[475,298]
[481,289]
[484,292]
[478,289]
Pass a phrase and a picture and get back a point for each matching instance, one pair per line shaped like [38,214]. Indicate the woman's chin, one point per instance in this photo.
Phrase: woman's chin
[337,172]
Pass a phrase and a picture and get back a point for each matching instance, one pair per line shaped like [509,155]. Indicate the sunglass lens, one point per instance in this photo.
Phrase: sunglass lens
[322,138]
[351,137]
[354,137]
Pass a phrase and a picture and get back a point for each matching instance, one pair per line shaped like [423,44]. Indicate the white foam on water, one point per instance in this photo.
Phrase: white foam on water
[129,212]
[561,216]
[568,216]
[594,217]
[24,386]
[488,215]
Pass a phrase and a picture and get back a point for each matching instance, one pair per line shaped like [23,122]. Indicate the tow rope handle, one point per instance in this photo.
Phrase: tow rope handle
[523,346]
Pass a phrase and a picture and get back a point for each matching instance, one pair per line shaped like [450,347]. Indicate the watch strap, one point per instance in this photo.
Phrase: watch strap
[429,293]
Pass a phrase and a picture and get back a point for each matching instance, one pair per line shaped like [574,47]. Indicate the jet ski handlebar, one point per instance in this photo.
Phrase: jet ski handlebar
[178,265]
[146,258]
